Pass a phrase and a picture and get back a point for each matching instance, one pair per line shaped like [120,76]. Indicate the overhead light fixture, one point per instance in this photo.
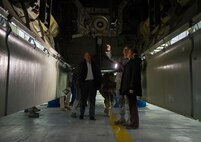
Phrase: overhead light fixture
[77,35]
[115,65]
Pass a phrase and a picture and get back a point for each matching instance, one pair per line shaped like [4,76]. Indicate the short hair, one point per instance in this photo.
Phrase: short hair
[133,50]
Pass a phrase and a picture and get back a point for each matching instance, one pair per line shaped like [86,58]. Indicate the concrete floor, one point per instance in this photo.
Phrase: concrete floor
[54,125]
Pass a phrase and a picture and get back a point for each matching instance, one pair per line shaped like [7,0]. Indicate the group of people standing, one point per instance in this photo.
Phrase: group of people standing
[128,85]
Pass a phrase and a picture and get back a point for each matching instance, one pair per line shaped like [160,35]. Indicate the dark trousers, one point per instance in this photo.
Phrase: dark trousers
[88,91]
[74,94]
[132,102]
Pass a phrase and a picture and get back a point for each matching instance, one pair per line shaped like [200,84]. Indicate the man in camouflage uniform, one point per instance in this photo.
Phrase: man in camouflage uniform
[121,99]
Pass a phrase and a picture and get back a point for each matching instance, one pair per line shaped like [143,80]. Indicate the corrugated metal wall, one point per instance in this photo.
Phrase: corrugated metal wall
[168,78]
[32,75]
[171,77]
[28,75]
[196,75]
[3,71]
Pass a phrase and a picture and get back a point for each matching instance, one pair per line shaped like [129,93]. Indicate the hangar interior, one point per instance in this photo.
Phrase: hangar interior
[42,40]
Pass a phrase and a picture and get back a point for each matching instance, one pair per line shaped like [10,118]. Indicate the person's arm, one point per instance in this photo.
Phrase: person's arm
[110,56]
[135,75]
[132,77]
[108,51]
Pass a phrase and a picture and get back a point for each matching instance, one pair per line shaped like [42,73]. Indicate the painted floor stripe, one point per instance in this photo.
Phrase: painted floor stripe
[119,131]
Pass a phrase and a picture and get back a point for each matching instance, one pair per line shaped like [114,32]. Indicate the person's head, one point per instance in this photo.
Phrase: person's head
[108,47]
[87,56]
[131,53]
[125,51]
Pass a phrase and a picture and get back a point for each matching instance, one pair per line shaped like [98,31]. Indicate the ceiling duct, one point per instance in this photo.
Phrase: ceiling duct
[100,23]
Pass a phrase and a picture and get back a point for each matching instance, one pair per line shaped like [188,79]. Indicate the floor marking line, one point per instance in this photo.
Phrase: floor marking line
[119,131]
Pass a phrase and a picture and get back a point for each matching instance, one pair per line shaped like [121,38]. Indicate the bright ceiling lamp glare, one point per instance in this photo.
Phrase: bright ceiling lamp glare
[115,65]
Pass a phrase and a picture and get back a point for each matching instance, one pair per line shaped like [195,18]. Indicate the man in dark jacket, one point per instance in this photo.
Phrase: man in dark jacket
[90,82]
[131,86]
